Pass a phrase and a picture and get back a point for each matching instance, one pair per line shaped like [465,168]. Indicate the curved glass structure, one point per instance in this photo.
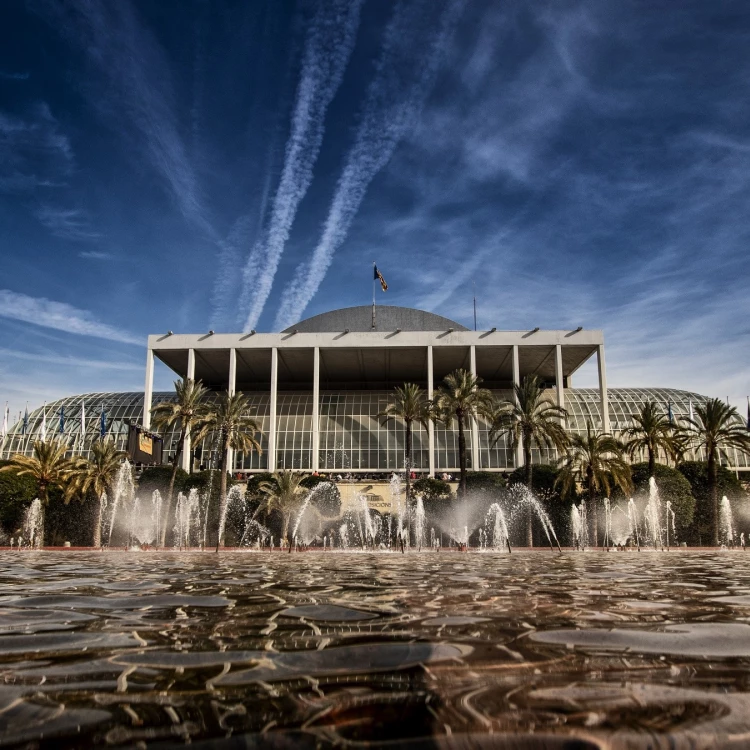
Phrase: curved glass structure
[352,438]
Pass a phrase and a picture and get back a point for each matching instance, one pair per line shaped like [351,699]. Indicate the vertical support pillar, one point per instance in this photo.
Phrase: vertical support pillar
[604,406]
[187,457]
[517,381]
[272,409]
[315,458]
[475,462]
[559,382]
[231,388]
[430,424]
[148,391]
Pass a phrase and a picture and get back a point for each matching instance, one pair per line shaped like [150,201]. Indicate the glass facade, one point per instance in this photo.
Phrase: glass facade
[352,437]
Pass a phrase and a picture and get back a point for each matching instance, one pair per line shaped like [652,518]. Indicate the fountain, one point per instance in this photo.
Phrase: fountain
[653,515]
[579,526]
[419,523]
[607,523]
[498,528]
[33,526]
[726,523]
[633,518]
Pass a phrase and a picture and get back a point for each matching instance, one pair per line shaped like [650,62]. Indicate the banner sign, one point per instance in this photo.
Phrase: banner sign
[144,447]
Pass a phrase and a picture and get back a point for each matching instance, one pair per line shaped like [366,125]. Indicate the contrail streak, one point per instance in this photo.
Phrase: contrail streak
[327,50]
[391,107]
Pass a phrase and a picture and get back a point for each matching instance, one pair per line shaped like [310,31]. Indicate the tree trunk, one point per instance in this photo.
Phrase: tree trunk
[594,521]
[713,493]
[461,453]
[96,541]
[651,462]
[408,463]
[529,509]
[222,493]
[170,491]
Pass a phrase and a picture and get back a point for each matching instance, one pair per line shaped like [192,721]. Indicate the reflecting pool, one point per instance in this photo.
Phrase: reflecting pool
[438,649]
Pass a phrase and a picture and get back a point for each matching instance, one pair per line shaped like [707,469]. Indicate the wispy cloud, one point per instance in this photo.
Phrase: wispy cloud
[34,152]
[65,361]
[68,223]
[139,92]
[412,52]
[14,76]
[95,255]
[60,316]
[328,47]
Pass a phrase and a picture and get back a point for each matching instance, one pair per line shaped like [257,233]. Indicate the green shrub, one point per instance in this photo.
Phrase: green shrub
[696,473]
[16,494]
[672,486]
[157,478]
[543,477]
[328,500]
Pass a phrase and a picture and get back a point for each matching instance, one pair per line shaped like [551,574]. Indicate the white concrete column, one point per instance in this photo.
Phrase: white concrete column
[231,388]
[272,409]
[559,376]
[148,391]
[232,383]
[315,458]
[517,381]
[475,462]
[430,424]
[187,458]
[603,387]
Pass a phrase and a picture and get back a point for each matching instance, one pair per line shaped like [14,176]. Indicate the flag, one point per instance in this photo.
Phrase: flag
[43,431]
[103,423]
[5,420]
[379,277]
[25,425]
[669,412]
[62,420]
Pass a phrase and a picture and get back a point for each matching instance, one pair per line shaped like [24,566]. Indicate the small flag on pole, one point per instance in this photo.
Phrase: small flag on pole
[25,425]
[43,431]
[62,420]
[669,412]
[379,277]
[103,423]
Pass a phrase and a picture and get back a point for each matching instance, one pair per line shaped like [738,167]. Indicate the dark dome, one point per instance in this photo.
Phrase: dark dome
[386,319]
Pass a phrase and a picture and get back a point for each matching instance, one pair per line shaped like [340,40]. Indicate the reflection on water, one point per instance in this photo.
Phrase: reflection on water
[435,649]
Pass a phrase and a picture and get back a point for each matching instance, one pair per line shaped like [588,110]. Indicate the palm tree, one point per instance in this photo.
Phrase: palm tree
[652,432]
[716,427]
[284,492]
[48,465]
[532,419]
[410,405]
[595,460]
[187,409]
[460,398]
[98,475]
[232,427]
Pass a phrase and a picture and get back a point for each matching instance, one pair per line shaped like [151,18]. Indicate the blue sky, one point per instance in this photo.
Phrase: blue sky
[232,165]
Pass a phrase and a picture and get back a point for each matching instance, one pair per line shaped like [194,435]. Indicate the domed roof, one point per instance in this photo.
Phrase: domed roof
[387,318]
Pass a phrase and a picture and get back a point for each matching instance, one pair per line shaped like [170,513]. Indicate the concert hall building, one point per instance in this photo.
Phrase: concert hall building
[316,390]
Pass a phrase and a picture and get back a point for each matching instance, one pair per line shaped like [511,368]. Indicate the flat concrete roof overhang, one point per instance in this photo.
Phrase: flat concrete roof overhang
[372,359]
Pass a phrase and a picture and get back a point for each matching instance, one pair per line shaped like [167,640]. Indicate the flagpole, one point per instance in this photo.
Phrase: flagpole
[373,295]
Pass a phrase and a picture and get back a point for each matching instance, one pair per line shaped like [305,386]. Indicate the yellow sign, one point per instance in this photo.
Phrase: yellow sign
[145,444]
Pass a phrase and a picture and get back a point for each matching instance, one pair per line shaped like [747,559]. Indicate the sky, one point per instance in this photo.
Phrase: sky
[235,165]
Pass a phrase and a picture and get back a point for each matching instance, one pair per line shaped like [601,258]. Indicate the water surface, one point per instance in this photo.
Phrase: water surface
[335,649]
